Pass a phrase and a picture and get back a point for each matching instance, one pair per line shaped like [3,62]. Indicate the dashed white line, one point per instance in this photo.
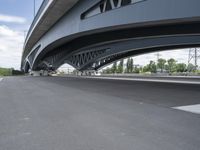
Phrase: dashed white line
[190,108]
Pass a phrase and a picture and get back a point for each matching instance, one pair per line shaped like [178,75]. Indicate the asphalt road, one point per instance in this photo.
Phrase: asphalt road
[55,113]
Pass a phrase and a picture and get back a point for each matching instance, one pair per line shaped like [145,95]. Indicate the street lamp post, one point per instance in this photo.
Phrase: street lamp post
[34,8]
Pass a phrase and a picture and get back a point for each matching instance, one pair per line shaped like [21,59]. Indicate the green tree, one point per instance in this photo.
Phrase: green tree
[161,64]
[120,67]
[137,69]
[145,68]
[181,67]
[152,67]
[166,67]
[129,65]
[114,68]
[172,65]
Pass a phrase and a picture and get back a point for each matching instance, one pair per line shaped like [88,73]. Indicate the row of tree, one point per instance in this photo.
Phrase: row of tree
[5,72]
[9,72]
[163,65]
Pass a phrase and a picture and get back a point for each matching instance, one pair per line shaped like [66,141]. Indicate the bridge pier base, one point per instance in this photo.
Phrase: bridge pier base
[88,73]
[39,73]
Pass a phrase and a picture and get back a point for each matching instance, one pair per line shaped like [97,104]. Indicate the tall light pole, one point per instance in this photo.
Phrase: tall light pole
[25,32]
[158,56]
[34,8]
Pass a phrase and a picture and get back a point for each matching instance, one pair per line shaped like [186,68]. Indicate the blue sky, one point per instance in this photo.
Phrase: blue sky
[15,19]
[21,8]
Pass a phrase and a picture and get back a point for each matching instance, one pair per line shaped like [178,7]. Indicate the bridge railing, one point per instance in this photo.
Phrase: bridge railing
[37,16]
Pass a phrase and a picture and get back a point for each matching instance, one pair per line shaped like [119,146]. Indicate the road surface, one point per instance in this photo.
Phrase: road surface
[67,113]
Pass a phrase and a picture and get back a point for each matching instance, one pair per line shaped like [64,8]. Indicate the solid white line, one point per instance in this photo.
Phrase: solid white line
[190,108]
[148,80]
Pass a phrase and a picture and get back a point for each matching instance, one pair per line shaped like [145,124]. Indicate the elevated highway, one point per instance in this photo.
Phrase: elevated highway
[90,34]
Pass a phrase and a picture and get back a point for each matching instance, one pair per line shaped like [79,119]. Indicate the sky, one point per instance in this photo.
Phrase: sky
[15,19]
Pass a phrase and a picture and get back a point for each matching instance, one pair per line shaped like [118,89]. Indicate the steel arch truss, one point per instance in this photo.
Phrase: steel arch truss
[49,63]
[82,60]
[108,53]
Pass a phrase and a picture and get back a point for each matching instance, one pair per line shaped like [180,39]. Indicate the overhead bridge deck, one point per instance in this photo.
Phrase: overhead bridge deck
[90,34]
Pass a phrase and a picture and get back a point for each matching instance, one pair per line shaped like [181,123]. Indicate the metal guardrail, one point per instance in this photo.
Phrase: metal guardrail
[40,10]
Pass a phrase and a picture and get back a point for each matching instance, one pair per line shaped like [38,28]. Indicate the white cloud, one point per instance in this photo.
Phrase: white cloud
[12,19]
[6,32]
[11,44]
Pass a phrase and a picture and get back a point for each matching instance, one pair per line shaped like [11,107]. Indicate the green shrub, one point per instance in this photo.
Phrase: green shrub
[5,72]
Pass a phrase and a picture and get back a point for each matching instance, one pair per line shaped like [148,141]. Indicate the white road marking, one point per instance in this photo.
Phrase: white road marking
[148,80]
[26,133]
[190,108]
[1,79]
[25,119]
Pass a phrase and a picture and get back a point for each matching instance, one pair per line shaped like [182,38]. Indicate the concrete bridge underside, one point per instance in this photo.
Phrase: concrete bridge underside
[94,33]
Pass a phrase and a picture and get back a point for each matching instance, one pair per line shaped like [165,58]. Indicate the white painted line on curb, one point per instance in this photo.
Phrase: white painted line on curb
[147,80]
[190,108]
